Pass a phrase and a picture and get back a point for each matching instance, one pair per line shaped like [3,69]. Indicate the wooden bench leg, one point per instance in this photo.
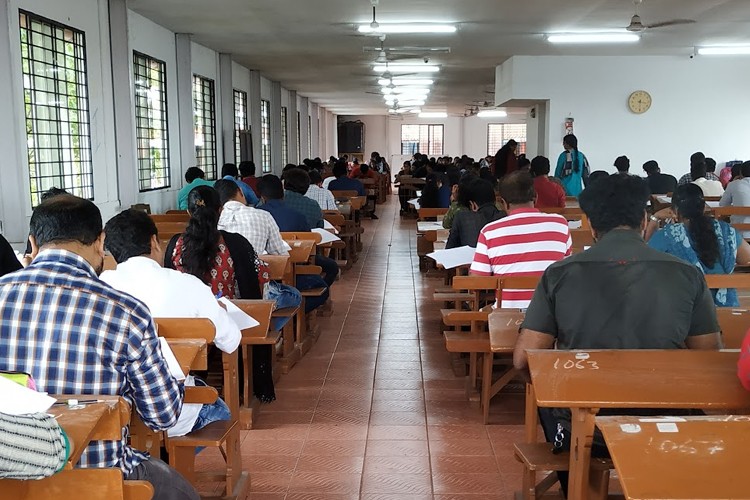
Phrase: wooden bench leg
[599,484]
[582,437]
[487,359]
[182,458]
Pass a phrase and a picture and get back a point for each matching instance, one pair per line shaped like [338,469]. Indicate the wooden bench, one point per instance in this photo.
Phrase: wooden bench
[734,323]
[581,239]
[588,381]
[478,340]
[93,422]
[346,250]
[224,435]
[182,217]
[168,229]
[261,311]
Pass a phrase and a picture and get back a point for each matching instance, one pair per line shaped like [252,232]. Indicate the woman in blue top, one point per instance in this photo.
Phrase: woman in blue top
[572,167]
[712,246]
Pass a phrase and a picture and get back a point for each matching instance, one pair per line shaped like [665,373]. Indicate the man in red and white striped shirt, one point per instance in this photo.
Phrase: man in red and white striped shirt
[524,243]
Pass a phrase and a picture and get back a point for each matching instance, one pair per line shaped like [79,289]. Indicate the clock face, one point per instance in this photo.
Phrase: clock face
[639,101]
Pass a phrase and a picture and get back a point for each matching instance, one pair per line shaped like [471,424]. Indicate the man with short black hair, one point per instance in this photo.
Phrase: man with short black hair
[619,294]
[658,183]
[133,240]
[622,164]
[247,171]
[323,197]
[342,182]
[697,159]
[296,184]
[549,194]
[229,172]
[99,340]
[709,188]
[194,177]
[478,196]
[522,244]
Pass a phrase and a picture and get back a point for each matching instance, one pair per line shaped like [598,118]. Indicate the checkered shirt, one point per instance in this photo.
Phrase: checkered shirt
[76,335]
[257,226]
[305,206]
[323,196]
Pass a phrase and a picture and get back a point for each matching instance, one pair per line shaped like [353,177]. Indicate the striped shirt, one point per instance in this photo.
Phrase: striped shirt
[77,335]
[524,243]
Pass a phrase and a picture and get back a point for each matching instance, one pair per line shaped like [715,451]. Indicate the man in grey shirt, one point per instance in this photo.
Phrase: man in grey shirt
[737,194]
[619,294]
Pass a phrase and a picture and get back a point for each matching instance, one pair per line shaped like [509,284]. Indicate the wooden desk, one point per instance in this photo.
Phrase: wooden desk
[192,354]
[94,422]
[425,226]
[503,326]
[629,379]
[699,458]
[301,251]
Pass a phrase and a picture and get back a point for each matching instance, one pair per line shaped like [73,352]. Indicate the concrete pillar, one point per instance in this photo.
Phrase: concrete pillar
[226,112]
[255,126]
[276,165]
[292,128]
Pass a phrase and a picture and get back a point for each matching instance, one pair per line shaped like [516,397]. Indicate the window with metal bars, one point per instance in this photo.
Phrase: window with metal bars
[240,121]
[56,104]
[425,139]
[151,134]
[500,133]
[284,136]
[204,112]
[265,135]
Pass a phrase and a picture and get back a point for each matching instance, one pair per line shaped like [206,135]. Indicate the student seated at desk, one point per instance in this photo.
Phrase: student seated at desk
[227,263]
[132,239]
[479,196]
[289,220]
[524,243]
[711,245]
[260,229]
[194,177]
[101,341]
[619,294]
[344,183]
[323,197]
[8,260]
[296,184]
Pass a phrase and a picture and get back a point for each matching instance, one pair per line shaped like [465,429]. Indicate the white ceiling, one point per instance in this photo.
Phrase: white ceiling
[311,46]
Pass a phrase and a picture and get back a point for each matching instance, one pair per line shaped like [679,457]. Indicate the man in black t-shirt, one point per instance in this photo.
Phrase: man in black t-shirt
[619,294]
[658,183]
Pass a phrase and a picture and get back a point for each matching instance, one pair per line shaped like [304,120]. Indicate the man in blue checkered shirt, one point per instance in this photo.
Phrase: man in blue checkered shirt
[76,335]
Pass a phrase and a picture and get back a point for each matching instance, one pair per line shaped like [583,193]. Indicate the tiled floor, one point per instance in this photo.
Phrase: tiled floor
[374,410]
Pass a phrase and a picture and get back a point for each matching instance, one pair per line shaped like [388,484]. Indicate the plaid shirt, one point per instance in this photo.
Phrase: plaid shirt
[687,178]
[323,196]
[76,335]
[257,226]
[305,206]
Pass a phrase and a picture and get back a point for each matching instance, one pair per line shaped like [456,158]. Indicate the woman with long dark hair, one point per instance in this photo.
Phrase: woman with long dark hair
[228,264]
[711,245]
[572,167]
[505,159]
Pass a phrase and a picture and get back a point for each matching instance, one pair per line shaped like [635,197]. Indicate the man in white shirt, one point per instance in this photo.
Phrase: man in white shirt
[698,174]
[131,238]
[324,197]
[737,194]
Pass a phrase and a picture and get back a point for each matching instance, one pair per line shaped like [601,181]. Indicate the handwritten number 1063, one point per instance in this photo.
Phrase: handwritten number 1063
[580,364]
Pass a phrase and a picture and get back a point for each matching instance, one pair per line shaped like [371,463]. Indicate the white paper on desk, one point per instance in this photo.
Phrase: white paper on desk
[16,399]
[575,224]
[713,204]
[424,226]
[286,245]
[664,199]
[240,317]
[415,202]
[419,193]
[327,225]
[454,257]
[174,366]
[326,236]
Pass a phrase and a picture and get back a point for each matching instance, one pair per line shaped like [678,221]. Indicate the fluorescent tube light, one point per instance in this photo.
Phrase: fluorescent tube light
[405,90]
[406,68]
[432,114]
[593,38]
[407,28]
[405,81]
[730,50]
[492,113]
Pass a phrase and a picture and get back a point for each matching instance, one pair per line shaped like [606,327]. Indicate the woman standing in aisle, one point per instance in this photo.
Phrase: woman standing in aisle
[572,167]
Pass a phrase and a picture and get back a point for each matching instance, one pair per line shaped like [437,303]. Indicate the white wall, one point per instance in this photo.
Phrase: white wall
[699,104]
[462,135]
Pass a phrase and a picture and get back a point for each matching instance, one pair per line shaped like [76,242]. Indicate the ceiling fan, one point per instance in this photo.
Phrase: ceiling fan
[637,26]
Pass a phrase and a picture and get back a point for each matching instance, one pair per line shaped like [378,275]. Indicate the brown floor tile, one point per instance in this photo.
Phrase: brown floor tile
[486,484]
[381,384]
[397,395]
[325,482]
[268,463]
[271,447]
[452,464]
[397,483]
[397,432]
[321,496]
[334,448]
[388,448]
[382,405]
[448,432]
[270,482]
[338,432]
[458,447]
[397,465]
[326,463]
[397,418]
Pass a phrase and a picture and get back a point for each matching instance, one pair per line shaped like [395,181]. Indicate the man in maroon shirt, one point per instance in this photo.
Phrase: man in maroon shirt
[549,193]
[247,171]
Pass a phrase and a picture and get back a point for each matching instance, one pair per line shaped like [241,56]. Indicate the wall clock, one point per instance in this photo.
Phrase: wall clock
[639,102]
